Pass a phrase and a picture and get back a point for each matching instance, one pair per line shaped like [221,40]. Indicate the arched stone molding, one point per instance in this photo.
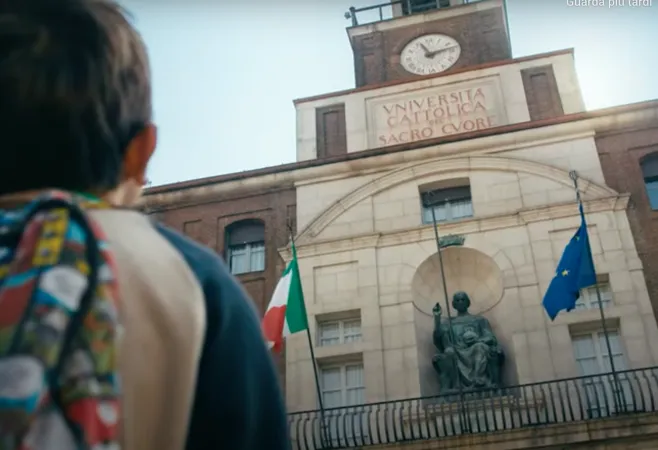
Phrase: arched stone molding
[443,166]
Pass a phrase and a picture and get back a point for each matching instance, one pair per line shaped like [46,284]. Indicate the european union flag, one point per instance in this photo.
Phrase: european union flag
[575,272]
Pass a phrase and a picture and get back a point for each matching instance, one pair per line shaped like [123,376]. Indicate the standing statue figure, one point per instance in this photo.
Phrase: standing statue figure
[470,354]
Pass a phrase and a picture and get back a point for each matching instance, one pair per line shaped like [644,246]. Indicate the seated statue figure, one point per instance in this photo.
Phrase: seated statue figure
[469,353]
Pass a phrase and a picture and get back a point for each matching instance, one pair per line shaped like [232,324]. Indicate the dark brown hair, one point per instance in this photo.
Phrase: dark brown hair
[74,90]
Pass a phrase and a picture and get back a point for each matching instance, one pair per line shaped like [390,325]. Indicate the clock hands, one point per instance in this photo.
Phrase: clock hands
[432,54]
[429,53]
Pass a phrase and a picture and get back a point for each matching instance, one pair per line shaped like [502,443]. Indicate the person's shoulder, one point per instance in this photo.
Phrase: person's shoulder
[225,297]
[204,262]
[239,404]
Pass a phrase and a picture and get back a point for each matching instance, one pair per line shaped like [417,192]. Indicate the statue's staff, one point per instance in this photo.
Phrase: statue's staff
[430,202]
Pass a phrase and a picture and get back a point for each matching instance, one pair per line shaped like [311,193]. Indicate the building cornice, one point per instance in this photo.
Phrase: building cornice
[494,139]
[475,68]
[313,248]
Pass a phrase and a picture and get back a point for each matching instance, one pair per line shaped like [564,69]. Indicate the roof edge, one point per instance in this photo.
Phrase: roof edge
[199,182]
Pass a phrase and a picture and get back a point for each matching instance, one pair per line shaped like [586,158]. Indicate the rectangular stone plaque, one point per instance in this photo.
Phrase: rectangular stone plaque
[434,112]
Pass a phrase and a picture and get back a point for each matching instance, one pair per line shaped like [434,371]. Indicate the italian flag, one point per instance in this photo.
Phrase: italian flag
[286,313]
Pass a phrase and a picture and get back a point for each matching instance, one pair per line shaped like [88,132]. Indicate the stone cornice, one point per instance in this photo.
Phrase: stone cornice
[464,227]
[448,155]
[486,141]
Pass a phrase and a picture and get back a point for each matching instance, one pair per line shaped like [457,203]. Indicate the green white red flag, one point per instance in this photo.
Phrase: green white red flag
[286,313]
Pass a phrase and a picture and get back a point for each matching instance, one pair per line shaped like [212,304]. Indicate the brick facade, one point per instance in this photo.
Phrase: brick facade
[482,37]
[206,223]
[541,92]
[621,152]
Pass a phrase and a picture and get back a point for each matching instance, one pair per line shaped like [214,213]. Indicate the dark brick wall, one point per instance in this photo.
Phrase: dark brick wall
[206,223]
[482,37]
[541,92]
[620,152]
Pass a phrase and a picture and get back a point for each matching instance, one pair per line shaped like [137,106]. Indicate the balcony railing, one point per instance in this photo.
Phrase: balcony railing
[384,11]
[530,405]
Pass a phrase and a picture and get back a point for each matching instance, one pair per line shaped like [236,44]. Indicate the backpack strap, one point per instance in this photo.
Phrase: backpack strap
[57,284]
[52,233]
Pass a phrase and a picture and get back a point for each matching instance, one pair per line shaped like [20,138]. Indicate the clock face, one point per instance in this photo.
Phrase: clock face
[431,53]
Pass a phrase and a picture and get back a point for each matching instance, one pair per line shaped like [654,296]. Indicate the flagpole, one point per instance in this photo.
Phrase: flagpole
[574,176]
[509,37]
[462,420]
[314,362]
[323,439]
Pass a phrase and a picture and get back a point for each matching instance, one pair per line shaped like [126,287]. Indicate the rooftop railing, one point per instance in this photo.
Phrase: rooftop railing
[530,405]
[384,11]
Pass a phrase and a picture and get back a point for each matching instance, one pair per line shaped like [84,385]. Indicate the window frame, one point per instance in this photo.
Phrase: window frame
[449,204]
[248,243]
[342,337]
[343,389]
[649,168]
[600,390]
[423,6]
[600,349]
[588,299]
[653,201]
[248,252]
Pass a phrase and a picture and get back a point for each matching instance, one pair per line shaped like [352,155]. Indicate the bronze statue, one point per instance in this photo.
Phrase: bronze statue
[469,354]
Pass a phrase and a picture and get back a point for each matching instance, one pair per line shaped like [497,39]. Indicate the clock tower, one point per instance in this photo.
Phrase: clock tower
[424,37]
[430,70]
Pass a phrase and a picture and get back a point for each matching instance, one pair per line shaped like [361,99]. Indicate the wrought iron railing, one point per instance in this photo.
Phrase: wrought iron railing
[551,402]
[384,11]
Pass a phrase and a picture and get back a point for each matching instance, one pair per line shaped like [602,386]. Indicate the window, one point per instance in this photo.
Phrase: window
[331,135]
[592,357]
[449,204]
[343,385]
[591,352]
[246,246]
[541,91]
[650,174]
[339,332]
[418,6]
[589,299]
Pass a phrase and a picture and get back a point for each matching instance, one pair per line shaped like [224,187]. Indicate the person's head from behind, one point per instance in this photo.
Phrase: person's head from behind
[75,99]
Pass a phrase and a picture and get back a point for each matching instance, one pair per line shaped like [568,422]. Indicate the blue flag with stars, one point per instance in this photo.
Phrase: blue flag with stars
[574,272]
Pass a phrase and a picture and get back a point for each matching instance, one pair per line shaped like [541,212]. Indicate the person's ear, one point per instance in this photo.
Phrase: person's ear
[139,152]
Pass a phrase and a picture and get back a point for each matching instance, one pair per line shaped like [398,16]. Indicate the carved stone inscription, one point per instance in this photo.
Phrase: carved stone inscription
[434,112]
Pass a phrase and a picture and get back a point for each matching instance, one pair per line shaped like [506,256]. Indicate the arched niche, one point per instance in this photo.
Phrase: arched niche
[466,269]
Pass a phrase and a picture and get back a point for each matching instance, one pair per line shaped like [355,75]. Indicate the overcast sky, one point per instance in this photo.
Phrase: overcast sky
[225,72]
